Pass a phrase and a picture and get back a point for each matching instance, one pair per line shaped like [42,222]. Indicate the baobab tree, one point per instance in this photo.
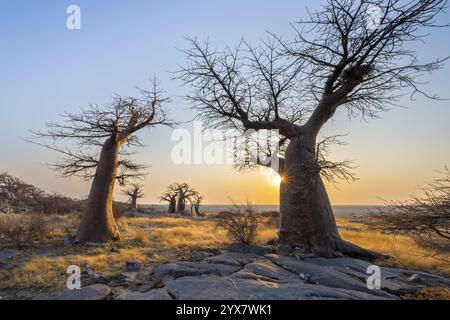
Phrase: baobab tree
[341,57]
[178,194]
[170,196]
[184,193]
[103,135]
[195,200]
[135,192]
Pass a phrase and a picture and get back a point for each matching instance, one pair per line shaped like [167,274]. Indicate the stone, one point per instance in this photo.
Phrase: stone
[324,276]
[8,254]
[132,265]
[254,249]
[182,269]
[92,292]
[200,255]
[232,258]
[267,269]
[69,239]
[264,290]
[156,294]
[202,288]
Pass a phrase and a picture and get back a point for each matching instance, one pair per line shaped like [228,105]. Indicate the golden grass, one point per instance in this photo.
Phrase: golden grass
[405,252]
[156,239]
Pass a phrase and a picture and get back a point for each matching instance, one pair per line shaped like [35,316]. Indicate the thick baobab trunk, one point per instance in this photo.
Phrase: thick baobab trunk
[97,222]
[197,209]
[172,205]
[181,205]
[133,205]
[307,219]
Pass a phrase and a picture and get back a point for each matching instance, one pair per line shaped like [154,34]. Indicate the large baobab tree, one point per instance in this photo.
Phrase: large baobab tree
[135,192]
[103,135]
[359,56]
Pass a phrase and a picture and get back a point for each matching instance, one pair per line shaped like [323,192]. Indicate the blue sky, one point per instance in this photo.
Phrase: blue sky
[46,69]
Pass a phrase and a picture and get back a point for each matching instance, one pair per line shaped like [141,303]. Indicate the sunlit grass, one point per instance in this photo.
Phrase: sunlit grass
[156,239]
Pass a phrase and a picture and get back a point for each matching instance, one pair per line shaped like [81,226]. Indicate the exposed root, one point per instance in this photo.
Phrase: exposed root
[352,250]
[344,249]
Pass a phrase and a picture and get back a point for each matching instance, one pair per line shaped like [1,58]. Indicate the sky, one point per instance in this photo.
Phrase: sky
[46,69]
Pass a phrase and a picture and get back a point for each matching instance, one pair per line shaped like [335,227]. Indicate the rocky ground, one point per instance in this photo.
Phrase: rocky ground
[251,273]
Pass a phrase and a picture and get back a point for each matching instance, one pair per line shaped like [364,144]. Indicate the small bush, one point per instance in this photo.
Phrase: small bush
[119,209]
[242,223]
[142,238]
[22,230]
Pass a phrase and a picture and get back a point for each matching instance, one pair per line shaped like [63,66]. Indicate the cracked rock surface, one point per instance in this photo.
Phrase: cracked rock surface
[259,273]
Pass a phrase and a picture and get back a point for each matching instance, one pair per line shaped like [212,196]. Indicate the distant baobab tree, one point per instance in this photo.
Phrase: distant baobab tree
[195,200]
[171,197]
[178,194]
[337,59]
[135,192]
[102,135]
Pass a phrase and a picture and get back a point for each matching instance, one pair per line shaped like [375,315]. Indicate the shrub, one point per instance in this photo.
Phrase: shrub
[119,209]
[141,238]
[426,216]
[22,230]
[241,224]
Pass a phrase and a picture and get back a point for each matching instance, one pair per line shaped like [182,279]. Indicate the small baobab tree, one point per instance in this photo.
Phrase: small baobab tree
[135,192]
[103,135]
[195,200]
[340,58]
[171,197]
[178,194]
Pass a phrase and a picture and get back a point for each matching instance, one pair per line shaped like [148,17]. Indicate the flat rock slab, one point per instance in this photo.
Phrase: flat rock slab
[182,269]
[92,292]
[157,294]
[257,273]
[203,288]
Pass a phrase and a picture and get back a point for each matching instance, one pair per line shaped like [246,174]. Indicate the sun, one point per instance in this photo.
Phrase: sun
[276,179]
[272,176]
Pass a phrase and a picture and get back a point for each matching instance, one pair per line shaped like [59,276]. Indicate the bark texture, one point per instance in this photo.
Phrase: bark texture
[307,219]
[97,222]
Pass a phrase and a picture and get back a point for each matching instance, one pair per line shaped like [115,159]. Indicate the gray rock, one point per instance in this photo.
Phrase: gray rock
[182,269]
[263,290]
[8,254]
[92,292]
[132,265]
[269,270]
[157,294]
[325,276]
[203,288]
[232,258]
[200,255]
[69,239]
[254,249]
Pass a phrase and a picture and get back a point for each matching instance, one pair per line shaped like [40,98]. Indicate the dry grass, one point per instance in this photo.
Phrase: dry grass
[149,240]
[404,250]
[157,239]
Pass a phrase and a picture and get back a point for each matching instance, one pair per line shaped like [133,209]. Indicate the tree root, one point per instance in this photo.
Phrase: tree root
[344,249]
[352,250]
